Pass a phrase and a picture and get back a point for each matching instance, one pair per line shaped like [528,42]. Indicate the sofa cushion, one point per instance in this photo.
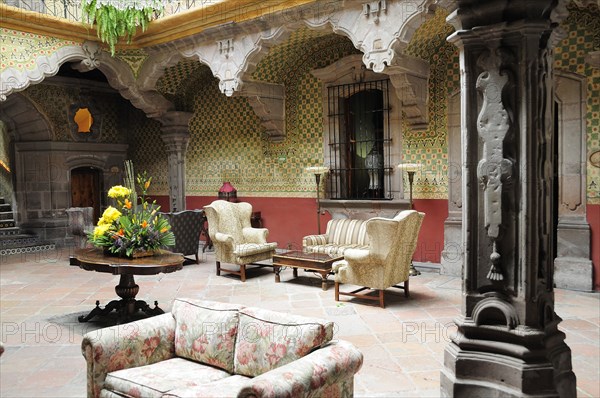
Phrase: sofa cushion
[161,377]
[206,331]
[224,388]
[268,339]
[345,231]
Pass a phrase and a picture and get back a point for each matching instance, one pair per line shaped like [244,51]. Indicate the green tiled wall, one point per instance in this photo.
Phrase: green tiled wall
[109,111]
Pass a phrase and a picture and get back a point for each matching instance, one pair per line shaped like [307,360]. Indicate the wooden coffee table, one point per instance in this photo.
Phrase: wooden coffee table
[315,262]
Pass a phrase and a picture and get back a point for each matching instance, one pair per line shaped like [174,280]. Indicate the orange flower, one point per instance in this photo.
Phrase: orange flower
[146,184]
[144,224]
[165,229]
[128,203]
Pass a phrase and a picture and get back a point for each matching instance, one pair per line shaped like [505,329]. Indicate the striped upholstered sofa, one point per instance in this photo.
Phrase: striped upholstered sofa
[341,234]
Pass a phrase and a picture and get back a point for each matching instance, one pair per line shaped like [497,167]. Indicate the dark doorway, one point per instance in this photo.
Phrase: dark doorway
[86,189]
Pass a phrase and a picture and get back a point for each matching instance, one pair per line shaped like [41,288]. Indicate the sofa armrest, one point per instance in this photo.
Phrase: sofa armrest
[255,235]
[314,240]
[332,366]
[127,346]
[224,238]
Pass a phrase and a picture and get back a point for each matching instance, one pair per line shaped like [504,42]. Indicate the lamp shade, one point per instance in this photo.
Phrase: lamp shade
[409,167]
[227,192]
[317,169]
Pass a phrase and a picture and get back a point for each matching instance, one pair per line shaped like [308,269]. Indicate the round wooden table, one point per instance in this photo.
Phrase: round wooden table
[94,259]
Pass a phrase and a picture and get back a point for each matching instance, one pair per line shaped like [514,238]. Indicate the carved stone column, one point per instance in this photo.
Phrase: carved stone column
[176,137]
[573,267]
[452,255]
[507,341]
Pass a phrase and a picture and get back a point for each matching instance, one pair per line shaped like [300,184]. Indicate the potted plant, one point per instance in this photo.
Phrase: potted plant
[120,18]
[132,229]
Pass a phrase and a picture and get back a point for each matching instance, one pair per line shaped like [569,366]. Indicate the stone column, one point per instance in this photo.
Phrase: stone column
[176,137]
[452,255]
[507,341]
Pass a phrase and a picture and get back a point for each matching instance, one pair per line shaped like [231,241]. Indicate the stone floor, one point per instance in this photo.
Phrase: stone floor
[402,344]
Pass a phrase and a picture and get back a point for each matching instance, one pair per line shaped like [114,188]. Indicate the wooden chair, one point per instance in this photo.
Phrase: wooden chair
[186,226]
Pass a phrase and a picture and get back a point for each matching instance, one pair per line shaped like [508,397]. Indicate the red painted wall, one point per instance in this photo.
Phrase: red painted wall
[290,219]
[593,218]
[431,235]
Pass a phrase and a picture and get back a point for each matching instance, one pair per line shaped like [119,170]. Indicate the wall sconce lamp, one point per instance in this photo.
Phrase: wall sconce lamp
[318,171]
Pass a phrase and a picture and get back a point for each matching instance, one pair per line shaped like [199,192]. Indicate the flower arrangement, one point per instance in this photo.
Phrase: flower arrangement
[132,229]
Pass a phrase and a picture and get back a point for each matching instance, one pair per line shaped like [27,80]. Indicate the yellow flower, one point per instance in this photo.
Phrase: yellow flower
[109,216]
[119,192]
[101,230]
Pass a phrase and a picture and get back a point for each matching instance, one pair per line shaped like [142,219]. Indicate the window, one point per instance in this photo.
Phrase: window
[359,141]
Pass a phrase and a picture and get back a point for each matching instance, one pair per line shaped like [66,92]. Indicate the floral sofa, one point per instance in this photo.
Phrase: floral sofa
[210,349]
[341,234]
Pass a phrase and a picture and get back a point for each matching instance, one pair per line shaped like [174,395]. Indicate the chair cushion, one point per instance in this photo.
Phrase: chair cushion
[224,388]
[266,342]
[159,378]
[250,249]
[205,331]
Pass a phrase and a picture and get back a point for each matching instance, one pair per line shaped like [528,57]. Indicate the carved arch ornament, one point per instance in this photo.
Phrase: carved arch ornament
[118,73]
[380,29]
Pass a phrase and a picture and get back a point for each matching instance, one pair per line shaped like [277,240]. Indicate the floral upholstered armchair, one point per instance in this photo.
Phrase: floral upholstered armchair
[186,226]
[392,243]
[234,238]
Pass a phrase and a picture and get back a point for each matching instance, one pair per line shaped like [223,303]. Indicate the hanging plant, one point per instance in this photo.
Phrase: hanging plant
[120,18]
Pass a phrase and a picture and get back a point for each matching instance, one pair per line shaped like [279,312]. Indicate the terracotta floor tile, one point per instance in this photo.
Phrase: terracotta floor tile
[403,344]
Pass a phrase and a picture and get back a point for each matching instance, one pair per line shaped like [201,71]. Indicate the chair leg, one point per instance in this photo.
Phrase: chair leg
[381,299]
[406,288]
[337,291]
[218,268]
[197,259]
[243,272]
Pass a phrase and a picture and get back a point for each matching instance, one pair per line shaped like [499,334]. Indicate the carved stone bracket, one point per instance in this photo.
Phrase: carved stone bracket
[380,29]
[268,102]
[229,59]
[410,76]
[492,126]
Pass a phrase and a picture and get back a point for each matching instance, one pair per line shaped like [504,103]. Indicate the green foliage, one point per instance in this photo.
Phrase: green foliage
[112,23]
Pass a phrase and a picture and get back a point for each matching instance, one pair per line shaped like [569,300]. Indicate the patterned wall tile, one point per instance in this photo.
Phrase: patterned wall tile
[20,49]
[429,147]
[55,102]
[134,58]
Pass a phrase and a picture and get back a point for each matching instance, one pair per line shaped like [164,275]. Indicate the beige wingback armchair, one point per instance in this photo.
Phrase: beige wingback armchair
[386,262]
[234,239]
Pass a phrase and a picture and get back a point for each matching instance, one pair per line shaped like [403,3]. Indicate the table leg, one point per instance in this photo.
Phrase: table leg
[324,276]
[295,272]
[277,270]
